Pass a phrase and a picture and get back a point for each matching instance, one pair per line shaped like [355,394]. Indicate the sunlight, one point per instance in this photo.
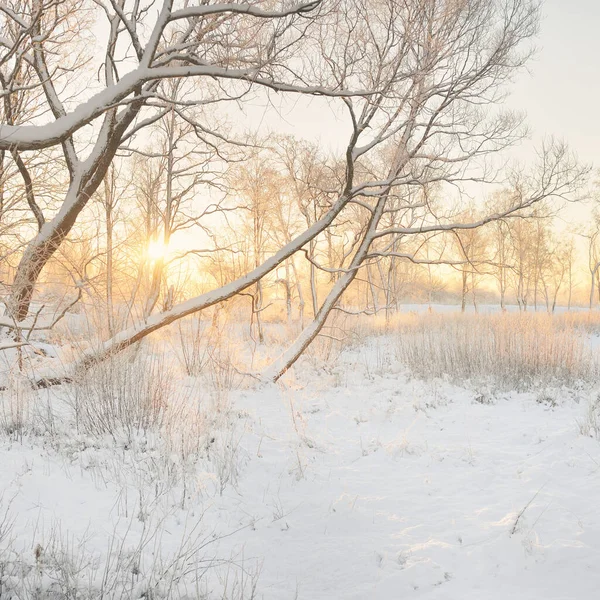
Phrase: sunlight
[157,250]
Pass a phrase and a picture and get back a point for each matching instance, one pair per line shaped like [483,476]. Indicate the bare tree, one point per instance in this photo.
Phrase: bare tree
[593,239]
[570,257]
[432,133]
[414,79]
[522,270]
[471,247]
[502,258]
[223,42]
[110,198]
[257,184]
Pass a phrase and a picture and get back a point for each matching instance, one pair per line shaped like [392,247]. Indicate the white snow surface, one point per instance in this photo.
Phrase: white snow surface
[359,483]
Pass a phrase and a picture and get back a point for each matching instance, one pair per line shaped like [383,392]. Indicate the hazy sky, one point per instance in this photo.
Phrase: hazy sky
[561,92]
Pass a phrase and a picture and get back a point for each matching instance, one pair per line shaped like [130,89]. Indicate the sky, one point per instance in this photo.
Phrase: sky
[561,91]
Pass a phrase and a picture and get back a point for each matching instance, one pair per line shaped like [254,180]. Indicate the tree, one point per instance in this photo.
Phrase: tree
[436,133]
[471,246]
[258,186]
[520,232]
[502,258]
[414,79]
[190,41]
[593,237]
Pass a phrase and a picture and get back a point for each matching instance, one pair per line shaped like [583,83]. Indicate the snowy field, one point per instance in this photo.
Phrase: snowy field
[349,480]
[211,213]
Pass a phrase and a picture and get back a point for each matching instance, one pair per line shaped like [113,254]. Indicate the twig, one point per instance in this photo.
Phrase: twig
[514,528]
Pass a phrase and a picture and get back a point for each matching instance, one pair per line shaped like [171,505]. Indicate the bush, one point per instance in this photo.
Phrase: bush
[129,393]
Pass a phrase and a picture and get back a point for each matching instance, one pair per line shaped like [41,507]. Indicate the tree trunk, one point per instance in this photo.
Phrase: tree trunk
[288,294]
[34,259]
[82,186]
[313,281]
[300,294]
[109,260]
[330,255]
[474,292]
[593,284]
[570,283]
[291,355]
[463,304]
[373,290]
[257,308]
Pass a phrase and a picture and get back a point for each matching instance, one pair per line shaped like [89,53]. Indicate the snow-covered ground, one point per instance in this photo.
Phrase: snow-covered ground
[355,483]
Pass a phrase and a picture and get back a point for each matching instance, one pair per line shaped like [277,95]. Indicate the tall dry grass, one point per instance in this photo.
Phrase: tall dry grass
[516,350]
[126,393]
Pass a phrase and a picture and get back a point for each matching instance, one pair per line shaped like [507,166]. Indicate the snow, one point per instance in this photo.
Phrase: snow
[350,483]
[398,498]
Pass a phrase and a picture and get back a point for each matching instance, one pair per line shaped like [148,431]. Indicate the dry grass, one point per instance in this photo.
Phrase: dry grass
[518,351]
[132,394]
[127,392]
[587,321]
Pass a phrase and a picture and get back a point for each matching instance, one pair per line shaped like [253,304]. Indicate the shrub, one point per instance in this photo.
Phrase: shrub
[129,393]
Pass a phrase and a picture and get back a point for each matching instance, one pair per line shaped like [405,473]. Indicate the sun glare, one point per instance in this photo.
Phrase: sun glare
[157,250]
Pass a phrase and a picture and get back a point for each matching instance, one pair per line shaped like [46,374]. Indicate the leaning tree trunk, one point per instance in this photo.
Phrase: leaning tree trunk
[291,355]
[36,256]
[303,341]
[84,183]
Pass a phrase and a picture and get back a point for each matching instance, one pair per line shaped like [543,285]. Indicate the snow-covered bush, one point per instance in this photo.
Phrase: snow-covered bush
[142,563]
[222,374]
[590,424]
[23,410]
[15,406]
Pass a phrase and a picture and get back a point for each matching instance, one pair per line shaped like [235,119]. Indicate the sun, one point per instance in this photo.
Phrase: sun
[157,250]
